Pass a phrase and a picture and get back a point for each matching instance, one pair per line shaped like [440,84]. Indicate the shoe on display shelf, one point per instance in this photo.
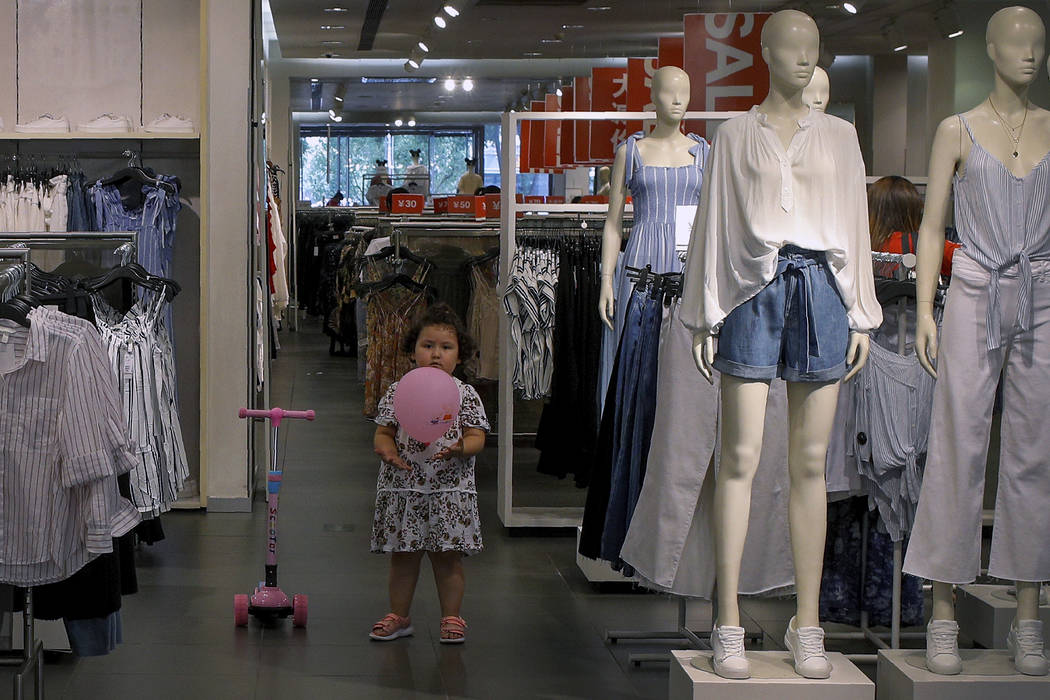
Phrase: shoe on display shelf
[106,123]
[942,647]
[170,124]
[806,645]
[729,661]
[1025,642]
[44,124]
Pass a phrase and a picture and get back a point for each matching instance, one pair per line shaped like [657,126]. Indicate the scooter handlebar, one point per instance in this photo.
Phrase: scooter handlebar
[275,414]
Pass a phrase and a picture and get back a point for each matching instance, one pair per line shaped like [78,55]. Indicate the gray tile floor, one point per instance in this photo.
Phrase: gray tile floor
[537,628]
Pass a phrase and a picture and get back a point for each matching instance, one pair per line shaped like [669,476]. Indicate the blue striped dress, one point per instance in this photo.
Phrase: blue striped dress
[655,191]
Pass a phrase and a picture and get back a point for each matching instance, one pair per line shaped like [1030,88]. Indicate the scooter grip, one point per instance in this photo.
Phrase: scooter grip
[305,415]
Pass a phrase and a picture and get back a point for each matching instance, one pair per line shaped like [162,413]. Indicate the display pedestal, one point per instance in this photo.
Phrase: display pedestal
[596,571]
[987,674]
[985,613]
[772,677]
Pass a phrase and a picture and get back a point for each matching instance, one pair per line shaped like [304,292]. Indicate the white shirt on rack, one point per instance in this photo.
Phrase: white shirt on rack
[757,198]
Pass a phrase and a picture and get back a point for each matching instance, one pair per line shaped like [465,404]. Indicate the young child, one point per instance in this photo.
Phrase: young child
[426,500]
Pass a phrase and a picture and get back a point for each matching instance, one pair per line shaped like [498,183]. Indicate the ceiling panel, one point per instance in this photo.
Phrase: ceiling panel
[569,29]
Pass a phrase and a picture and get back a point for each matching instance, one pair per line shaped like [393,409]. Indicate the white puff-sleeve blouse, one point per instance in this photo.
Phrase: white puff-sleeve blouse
[757,198]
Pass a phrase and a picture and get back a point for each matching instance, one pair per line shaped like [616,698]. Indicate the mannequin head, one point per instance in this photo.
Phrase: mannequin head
[1016,42]
[818,91]
[790,46]
[604,173]
[670,93]
[471,164]
[415,153]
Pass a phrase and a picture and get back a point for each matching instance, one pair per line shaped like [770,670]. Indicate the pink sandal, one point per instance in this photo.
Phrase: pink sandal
[453,630]
[391,627]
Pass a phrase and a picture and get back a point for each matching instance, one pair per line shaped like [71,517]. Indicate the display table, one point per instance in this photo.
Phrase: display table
[772,677]
[985,612]
[988,674]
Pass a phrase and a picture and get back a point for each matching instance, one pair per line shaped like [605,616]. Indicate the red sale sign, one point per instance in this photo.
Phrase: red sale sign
[468,205]
[608,94]
[551,133]
[671,51]
[581,90]
[723,57]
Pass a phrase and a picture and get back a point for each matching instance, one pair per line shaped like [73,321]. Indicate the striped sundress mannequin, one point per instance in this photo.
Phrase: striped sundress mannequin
[656,191]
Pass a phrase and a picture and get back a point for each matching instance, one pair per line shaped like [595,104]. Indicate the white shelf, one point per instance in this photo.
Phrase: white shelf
[75,135]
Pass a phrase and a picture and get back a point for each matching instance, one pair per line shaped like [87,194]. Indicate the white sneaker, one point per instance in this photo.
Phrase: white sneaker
[1025,642]
[170,124]
[728,646]
[106,124]
[806,644]
[942,647]
[44,124]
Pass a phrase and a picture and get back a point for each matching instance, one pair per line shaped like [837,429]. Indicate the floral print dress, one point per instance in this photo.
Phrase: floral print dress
[434,507]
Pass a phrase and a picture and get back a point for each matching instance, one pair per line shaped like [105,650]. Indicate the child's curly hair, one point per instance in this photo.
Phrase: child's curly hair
[441,314]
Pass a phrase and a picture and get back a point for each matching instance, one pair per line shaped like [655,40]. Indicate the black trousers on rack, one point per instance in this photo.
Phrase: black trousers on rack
[569,423]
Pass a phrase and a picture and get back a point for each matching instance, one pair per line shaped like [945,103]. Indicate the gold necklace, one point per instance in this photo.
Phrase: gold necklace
[1010,129]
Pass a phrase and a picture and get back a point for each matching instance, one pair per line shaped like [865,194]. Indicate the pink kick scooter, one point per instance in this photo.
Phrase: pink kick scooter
[269,602]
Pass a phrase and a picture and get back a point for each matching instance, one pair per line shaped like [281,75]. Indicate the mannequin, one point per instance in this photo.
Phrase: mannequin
[759,227]
[418,180]
[604,174]
[471,181]
[379,186]
[818,91]
[638,165]
[993,321]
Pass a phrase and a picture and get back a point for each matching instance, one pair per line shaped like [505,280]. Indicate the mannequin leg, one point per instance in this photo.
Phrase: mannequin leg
[1027,600]
[743,419]
[811,411]
[944,602]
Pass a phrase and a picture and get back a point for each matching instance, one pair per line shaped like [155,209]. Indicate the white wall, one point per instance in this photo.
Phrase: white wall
[890,112]
[226,257]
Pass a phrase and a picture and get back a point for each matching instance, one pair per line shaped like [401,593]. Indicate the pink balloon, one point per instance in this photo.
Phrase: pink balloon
[426,403]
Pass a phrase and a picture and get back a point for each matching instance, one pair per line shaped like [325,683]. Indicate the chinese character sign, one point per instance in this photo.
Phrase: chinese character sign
[608,94]
[639,86]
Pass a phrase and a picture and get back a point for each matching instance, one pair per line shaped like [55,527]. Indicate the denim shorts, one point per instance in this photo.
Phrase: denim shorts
[795,328]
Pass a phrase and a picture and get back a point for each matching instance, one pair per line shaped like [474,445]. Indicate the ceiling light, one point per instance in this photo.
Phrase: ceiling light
[572,26]
[337,98]
[550,41]
[533,53]
[335,116]
[468,85]
[336,9]
[450,10]
[600,8]
[411,121]
[313,80]
[411,64]
[558,92]
[423,47]
[440,21]
[398,122]
[891,34]
[849,8]
[327,27]
[450,84]
[331,55]
[948,22]
[332,43]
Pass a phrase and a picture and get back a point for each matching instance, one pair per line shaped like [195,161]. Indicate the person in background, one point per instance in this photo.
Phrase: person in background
[336,200]
[894,213]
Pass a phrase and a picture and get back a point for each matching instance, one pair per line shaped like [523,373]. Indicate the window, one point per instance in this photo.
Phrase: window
[344,159]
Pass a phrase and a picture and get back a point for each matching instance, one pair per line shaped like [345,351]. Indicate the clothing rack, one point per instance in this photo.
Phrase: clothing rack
[32,657]
[549,516]
[905,263]
[17,274]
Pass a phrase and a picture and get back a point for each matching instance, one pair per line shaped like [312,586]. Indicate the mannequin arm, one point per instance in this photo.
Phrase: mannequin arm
[944,158]
[612,235]
[857,353]
[704,354]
